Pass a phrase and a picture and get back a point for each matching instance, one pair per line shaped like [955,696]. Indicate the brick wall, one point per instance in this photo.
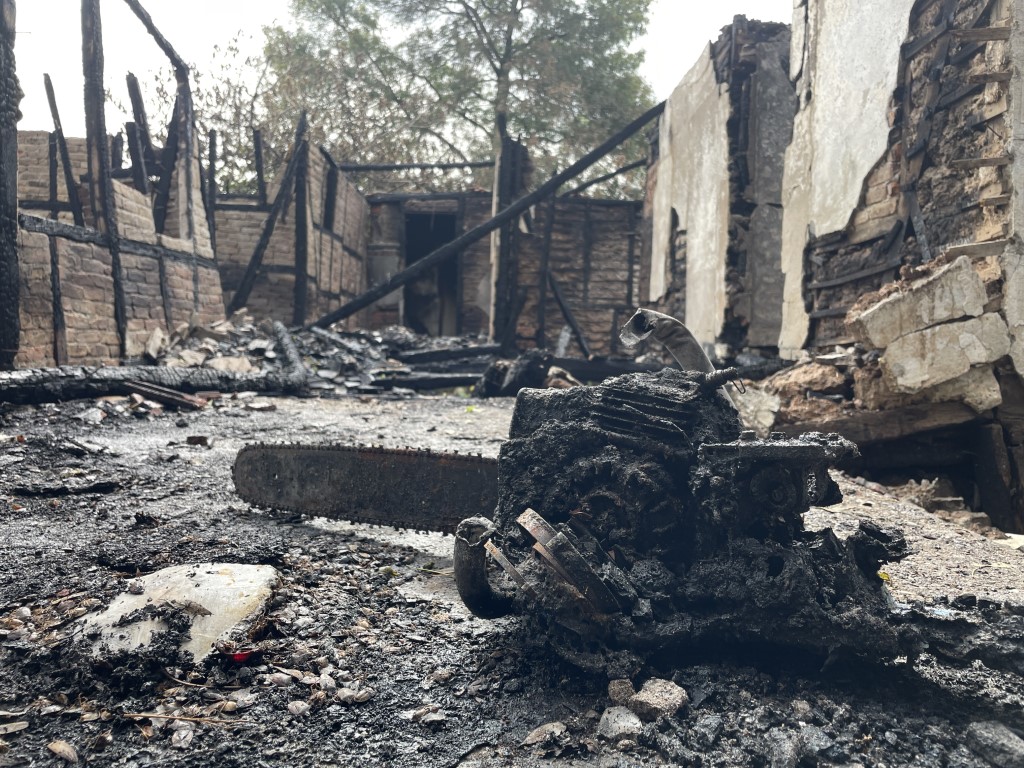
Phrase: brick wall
[165,280]
[336,255]
[595,257]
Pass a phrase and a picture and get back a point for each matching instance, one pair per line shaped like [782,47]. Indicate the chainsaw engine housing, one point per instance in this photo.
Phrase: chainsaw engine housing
[635,519]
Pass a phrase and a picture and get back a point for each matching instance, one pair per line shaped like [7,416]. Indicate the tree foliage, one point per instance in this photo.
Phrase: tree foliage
[386,81]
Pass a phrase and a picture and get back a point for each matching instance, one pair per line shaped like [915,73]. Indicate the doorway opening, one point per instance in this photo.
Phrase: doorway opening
[432,301]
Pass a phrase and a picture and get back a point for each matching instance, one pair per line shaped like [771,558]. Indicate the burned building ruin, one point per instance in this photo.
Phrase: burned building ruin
[854,209]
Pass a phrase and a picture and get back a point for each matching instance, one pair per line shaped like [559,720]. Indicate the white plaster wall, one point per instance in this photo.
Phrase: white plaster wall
[693,179]
[850,51]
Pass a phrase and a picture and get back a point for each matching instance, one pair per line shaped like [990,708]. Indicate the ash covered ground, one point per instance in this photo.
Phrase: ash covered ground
[367,656]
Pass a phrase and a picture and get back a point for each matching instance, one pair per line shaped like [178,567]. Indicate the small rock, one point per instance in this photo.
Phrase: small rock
[280,679]
[298,708]
[619,723]
[996,743]
[620,692]
[783,748]
[544,733]
[658,698]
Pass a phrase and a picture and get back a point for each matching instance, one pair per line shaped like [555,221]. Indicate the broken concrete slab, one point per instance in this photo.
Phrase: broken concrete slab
[233,364]
[978,388]
[952,292]
[223,599]
[929,357]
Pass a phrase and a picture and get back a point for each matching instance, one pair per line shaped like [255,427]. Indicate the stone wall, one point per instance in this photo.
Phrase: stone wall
[337,244]
[715,195]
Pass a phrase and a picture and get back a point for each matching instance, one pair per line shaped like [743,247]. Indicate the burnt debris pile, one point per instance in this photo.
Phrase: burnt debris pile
[636,519]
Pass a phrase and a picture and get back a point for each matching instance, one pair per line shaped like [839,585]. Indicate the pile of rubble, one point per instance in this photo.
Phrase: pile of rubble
[928,385]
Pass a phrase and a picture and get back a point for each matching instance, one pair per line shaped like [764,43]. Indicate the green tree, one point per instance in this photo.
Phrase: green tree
[443,80]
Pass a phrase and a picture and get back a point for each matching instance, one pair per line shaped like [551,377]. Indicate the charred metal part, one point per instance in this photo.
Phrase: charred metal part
[471,539]
[675,336]
[416,489]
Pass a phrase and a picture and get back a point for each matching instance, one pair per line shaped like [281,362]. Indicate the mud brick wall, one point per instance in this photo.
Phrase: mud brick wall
[166,281]
[595,250]
[34,168]
[36,306]
[337,244]
[941,184]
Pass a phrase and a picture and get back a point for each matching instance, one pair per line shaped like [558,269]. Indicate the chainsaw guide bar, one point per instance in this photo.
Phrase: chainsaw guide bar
[419,490]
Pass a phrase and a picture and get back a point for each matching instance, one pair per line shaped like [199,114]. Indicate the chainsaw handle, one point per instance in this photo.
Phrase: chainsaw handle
[470,559]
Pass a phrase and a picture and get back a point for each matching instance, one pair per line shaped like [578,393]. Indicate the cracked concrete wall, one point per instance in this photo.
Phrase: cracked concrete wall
[845,59]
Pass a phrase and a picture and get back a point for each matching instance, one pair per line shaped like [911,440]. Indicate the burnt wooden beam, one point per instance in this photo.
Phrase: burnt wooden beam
[140,177]
[141,120]
[60,333]
[168,159]
[360,168]
[606,177]
[176,61]
[10,272]
[982,34]
[299,303]
[241,295]
[970,163]
[261,180]
[570,318]
[65,155]
[51,157]
[330,199]
[101,189]
[117,152]
[920,229]
[431,260]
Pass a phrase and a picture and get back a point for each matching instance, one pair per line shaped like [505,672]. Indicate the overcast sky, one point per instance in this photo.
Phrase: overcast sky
[49,40]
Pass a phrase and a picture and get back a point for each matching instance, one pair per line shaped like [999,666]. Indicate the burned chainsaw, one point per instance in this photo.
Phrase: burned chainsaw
[627,519]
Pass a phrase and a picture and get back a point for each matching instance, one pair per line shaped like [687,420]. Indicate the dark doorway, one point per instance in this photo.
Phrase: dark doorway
[432,301]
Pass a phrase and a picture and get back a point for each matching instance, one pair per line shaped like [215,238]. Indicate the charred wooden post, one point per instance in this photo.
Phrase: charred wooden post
[511,178]
[141,121]
[570,318]
[508,214]
[65,155]
[545,273]
[10,277]
[301,233]
[211,188]
[252,270]
[60,332]
[168,159]
[51,159]
[101,190]
[140,175]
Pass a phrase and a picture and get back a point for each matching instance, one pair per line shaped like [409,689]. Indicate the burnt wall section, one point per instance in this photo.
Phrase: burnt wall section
[331,242]
[10,97]
[589,263]
[938,183]
[716,211]
[66,271]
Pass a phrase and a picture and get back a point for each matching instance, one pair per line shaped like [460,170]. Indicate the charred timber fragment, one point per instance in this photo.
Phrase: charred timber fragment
[44,385]
[65,155]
